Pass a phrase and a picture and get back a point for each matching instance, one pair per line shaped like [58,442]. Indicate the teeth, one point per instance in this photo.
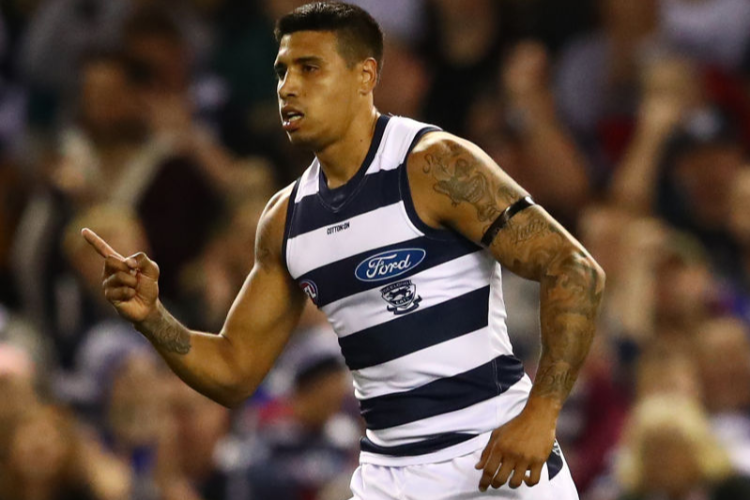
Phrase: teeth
[294,118]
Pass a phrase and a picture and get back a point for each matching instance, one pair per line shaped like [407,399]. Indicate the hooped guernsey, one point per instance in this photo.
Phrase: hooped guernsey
[418,311]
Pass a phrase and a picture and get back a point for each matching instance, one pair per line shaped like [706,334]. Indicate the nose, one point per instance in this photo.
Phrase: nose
[288,86]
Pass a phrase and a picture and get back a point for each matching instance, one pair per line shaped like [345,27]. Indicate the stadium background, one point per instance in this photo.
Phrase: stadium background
[154,122]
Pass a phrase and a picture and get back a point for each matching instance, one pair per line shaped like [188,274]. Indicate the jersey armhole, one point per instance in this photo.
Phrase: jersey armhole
[411,212]
[288,223]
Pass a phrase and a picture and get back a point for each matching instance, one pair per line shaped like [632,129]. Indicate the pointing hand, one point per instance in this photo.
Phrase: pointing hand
[130,284]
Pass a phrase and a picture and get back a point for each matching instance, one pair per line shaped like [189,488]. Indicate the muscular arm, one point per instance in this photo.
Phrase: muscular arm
[229,366]
[456,185]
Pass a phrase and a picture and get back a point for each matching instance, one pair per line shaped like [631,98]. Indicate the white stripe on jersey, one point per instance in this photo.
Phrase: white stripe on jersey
[425,366]
[309,182]
[365,309]
[367,231]
[398,140]
[498,314]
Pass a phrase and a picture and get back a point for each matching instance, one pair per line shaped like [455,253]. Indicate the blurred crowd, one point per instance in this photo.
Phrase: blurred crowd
[154,122]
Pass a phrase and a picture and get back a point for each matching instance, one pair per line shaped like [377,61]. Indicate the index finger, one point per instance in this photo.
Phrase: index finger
[101,246]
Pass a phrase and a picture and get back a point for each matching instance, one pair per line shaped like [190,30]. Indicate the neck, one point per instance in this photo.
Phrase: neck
[341,159]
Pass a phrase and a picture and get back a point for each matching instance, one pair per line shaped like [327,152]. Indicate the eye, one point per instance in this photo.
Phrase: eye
[309,68]
[279,72]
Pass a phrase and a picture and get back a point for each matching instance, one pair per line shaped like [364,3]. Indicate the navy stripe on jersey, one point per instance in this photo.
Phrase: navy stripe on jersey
[416,331]
[430,445]
[554,462]
[375,191]
[332,288]
[443,395]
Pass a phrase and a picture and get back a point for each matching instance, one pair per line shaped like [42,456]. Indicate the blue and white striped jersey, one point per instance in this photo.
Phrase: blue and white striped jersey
[419,312]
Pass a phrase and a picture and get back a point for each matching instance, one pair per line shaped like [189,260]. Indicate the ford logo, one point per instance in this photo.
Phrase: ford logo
[386,265]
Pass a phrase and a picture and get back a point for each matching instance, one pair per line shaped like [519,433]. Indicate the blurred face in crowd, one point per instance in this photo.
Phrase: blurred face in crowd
[684,290]
[165,59]
[135,403]
[319,93]
[17,393]
[723,352]
[707,176]
[669,462]
[671,374]
[319,400]
[108,100]
[199,423]
[40,448]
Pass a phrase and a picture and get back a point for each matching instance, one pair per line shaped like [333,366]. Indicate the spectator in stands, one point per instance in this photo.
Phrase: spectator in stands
[213,280]
[89,319]
[597,79]
[135,428]
[711,32]
[466,42]
[722,350]
[663,371]
[47,458]
[519,126]
[199,460]
[670,452]
[303,444]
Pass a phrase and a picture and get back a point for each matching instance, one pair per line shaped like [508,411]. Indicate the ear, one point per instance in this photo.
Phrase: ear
[369,75]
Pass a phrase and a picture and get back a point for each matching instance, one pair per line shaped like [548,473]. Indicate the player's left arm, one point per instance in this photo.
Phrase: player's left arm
[456,185]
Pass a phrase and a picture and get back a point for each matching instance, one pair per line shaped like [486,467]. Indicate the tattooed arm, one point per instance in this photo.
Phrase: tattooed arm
[226,367]
[457,186]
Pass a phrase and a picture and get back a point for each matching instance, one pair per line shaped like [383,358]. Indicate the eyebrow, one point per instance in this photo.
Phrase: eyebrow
[300,60]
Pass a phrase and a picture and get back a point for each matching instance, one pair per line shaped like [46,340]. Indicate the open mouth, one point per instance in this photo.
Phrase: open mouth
[291,119]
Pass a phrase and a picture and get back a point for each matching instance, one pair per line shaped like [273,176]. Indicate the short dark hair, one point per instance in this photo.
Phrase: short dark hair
[359,34]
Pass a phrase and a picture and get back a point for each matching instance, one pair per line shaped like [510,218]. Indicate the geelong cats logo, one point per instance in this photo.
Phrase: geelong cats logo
[386,265]
[402,297]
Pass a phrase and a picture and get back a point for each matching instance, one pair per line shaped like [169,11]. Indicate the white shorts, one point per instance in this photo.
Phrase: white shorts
[455,479]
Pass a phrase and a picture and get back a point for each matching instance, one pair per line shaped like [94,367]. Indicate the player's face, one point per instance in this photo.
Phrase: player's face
[317,91]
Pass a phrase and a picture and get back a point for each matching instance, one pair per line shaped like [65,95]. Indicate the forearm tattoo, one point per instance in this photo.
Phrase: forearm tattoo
[571,292]
[533,246]
[167,334]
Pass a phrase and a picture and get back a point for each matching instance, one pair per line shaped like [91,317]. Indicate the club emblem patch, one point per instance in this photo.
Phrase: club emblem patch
[402,297]
[310,289]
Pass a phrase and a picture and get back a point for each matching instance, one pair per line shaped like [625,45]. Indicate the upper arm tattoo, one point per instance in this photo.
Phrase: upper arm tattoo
[457,174]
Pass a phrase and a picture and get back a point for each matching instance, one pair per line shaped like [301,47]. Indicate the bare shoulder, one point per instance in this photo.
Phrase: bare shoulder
[455,181]
[440,142]
[271,226]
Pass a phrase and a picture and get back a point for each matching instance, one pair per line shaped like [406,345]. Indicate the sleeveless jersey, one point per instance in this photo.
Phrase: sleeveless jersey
[418,311]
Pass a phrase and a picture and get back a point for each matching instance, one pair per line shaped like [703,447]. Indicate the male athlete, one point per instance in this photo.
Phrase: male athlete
[396,232]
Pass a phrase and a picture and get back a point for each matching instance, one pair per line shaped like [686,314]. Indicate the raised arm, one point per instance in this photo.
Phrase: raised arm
[456,185]
[226,367]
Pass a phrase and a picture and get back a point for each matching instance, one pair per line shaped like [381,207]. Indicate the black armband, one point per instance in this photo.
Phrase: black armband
[504,217]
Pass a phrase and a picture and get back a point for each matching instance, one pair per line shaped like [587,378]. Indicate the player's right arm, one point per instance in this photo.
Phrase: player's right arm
[226,367]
